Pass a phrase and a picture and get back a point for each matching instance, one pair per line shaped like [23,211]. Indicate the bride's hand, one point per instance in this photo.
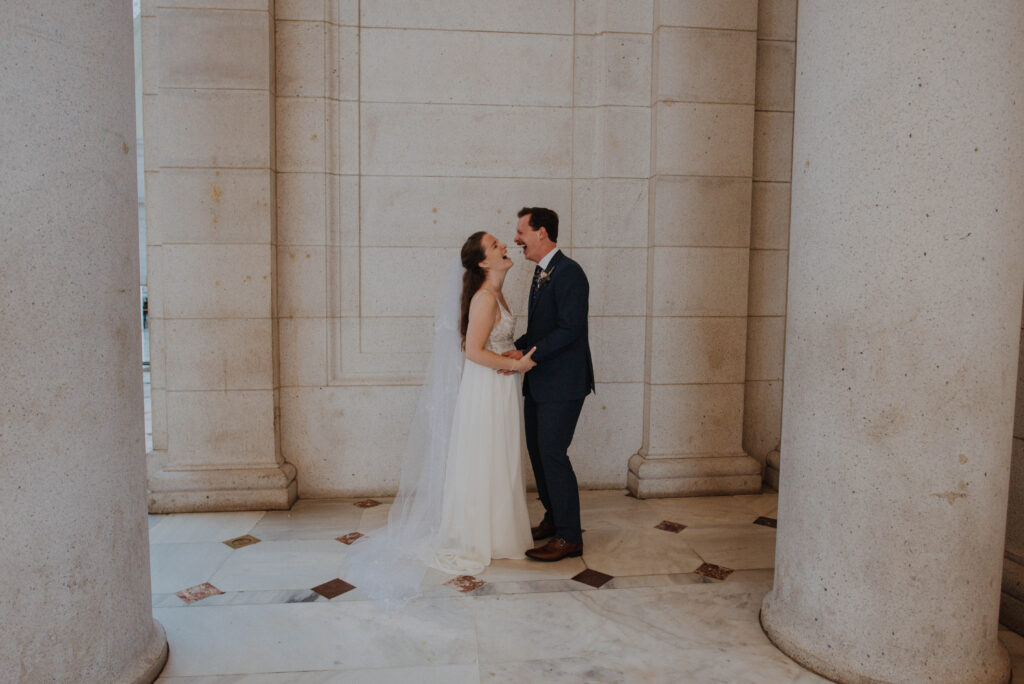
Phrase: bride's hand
[515,355]
[526,362]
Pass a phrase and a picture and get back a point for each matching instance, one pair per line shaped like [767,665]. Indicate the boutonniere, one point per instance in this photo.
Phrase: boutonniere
[545,278]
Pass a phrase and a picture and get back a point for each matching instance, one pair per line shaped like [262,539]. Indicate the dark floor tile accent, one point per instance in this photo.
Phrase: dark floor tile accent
[593,578]
[767,522]
[198,592]
[349,538]
[670,526]
[336,587]
[244,540]
[367,503]
[713,571]
[465,583]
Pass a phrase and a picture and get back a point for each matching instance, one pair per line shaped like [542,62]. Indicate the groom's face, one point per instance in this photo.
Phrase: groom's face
[528,238]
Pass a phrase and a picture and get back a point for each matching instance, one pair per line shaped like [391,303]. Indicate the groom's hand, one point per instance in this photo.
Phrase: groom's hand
[515,354]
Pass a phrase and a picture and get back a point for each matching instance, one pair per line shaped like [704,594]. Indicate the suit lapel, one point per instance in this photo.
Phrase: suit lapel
[555,260]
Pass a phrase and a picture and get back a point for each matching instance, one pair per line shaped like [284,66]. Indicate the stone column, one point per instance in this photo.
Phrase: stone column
[907,258]
[75,596]
[698,252]
[208,69]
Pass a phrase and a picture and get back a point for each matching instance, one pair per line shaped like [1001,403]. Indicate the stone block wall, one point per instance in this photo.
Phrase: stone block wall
[317,164]
[392,150]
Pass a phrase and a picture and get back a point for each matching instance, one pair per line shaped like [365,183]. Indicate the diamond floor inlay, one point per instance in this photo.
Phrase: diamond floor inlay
[333,588]
[347,539]
[465,583]
[593,578]
[198,592]
[713,571]
[244,540]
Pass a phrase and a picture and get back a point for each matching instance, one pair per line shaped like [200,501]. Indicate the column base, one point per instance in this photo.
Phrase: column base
[771,470]
[650,478]
[153,661]
[990,668]
[229,489]
[1011,603]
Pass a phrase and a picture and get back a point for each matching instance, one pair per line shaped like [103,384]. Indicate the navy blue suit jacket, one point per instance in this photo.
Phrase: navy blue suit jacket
[558,328]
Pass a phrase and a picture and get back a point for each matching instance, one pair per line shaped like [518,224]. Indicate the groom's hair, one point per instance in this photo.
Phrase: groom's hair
[542,218]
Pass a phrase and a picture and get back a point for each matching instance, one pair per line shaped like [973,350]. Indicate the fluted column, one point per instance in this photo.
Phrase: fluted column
[903,324]
[75,590]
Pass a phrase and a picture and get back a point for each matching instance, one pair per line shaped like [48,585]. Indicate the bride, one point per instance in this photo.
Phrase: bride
[461,500]
[483,511]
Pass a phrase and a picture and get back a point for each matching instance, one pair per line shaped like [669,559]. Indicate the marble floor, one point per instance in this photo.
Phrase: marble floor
[667,590]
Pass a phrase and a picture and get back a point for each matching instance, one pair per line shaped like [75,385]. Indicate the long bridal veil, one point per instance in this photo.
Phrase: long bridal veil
[389,564]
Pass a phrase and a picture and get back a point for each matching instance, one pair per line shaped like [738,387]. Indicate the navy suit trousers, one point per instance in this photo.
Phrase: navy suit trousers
[549,429]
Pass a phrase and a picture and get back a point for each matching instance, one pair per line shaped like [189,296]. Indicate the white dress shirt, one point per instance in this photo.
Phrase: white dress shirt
[543,263]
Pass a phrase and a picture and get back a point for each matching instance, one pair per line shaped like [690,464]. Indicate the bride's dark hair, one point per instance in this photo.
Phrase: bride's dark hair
[472,278]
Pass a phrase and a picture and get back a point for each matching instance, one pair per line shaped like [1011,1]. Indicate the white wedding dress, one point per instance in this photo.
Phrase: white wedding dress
[483,509]
[461,499]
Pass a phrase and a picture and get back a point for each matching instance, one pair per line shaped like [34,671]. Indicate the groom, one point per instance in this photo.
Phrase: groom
[554,390]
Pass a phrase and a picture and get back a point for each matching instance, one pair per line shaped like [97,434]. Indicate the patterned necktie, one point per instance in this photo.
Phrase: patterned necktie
[533,288]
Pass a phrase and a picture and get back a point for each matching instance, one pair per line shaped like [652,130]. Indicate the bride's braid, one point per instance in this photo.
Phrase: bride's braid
[472,278]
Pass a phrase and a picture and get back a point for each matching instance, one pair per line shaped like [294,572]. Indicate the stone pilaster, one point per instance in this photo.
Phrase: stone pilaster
[75,594]
[704,59]
[605,226]
[903,330]
[210,135]
[769,231]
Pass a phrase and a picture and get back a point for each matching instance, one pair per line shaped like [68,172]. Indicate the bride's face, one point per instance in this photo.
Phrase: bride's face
[495,254]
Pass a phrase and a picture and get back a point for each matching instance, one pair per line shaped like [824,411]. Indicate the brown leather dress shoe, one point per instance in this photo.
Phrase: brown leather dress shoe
[543,531]
[555,550]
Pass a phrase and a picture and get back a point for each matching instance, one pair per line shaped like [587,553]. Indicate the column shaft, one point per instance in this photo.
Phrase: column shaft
[75,596]
[903,327]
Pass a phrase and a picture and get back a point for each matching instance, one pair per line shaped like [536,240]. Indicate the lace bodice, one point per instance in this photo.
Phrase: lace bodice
[501,338]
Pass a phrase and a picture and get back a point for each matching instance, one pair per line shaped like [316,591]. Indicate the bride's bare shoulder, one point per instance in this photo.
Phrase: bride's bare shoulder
[484,297]
[484,303]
